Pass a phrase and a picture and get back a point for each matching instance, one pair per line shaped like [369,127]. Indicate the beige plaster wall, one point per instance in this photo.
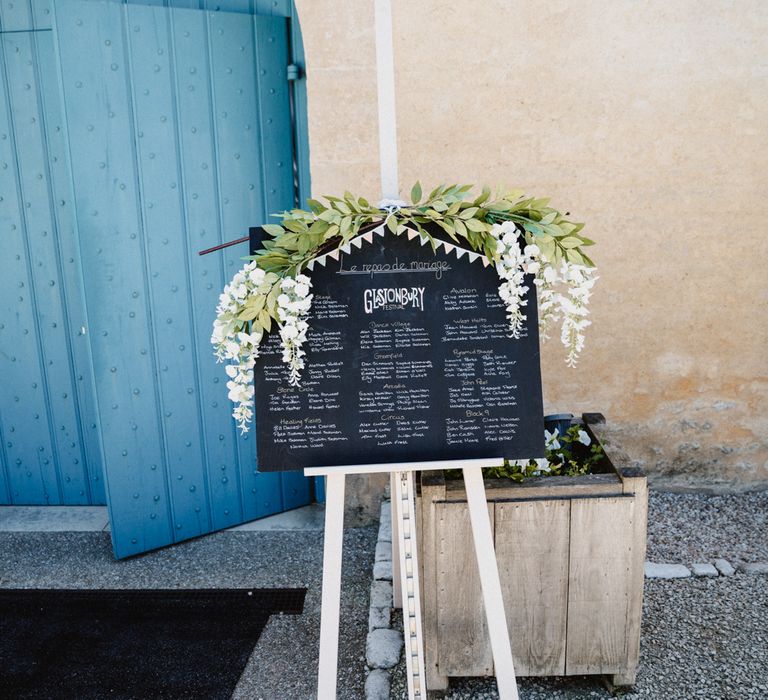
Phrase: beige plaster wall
[649,121]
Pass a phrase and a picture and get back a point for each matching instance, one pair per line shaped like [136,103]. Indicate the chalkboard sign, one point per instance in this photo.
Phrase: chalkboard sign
[408,359]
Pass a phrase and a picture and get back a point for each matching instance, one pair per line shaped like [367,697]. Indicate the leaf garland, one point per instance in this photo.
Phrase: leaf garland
[303,235]
[520,235]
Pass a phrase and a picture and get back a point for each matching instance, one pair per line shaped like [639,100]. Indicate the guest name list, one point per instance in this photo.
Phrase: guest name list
[408,359]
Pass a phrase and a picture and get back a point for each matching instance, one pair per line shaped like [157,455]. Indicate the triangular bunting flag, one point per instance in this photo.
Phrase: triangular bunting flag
[357,242]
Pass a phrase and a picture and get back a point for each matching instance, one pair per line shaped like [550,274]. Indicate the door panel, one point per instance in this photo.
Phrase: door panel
[180,137]
[18,16]
[49,452]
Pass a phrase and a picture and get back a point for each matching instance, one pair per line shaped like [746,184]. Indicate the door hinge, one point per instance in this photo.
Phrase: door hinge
[293,72]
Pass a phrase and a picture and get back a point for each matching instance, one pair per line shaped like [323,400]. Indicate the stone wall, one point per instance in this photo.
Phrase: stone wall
[647,121]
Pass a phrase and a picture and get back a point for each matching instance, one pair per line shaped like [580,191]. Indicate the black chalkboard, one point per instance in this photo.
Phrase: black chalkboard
[408,359]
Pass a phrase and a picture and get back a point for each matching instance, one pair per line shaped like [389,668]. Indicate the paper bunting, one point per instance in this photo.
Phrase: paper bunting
[357,242]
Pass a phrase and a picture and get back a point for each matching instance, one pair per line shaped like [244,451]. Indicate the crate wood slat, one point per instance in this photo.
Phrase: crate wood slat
[638,487]
[532,550]
[600,561]
[544,487]
[432,491]
[464,646]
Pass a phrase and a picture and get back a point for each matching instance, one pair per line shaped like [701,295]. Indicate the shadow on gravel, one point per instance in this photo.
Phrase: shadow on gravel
[132,643]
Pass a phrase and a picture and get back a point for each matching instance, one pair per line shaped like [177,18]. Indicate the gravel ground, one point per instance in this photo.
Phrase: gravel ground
[703,638]
[283,665]
[687,528]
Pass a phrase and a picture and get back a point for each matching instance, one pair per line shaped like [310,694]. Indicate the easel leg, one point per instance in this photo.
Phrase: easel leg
[409,585]
[331,594]
[490,583]
[397,596]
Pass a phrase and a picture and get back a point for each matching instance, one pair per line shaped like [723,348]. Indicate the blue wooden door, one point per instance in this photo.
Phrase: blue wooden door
[180,138]
[49,436]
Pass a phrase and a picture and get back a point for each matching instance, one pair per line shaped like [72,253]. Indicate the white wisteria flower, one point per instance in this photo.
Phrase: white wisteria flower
[234,342]
[546,277]
[576,282]
[573,306]
[293,306]
[512,265]
[241,318]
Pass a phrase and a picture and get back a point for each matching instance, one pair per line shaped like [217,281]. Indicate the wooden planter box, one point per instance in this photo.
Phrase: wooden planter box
[570,551]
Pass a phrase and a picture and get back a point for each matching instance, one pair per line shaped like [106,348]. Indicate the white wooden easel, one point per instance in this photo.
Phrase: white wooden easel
[405,557]
[407,566]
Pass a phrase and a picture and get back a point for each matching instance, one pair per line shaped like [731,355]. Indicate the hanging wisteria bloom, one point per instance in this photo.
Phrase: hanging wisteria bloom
[515,262]
[241,319]
[512,265]
[293,308]
[234,340]
[573,306]
[547,297]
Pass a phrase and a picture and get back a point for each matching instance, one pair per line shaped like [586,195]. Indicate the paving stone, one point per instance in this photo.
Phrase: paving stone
[377,685]
[703,570]
[755,568]
[653,570]
[383,551]
[382,648]
[379,618]
[381,594]
[385,522]
[382,571]
[724,567]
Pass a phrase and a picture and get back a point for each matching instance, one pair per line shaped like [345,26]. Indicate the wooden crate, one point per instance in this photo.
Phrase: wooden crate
[570,552]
